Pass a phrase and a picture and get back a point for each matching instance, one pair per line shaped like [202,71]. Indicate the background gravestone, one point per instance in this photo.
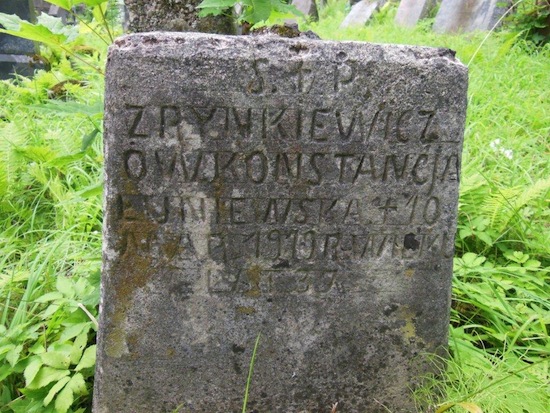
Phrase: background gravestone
[305,190]
[14,51]
[410,11]
[466,16]
[361,12]
[308,7]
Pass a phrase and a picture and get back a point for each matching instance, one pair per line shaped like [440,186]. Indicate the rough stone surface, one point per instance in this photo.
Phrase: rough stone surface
[305,190]
[469,15]
[410,11]
[174,15]
[360,13]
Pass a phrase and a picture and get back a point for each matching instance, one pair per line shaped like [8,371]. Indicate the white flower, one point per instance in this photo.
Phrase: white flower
[507,152]
[493,145]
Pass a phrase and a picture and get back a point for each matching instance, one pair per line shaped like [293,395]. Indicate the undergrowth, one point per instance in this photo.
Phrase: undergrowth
[50,214]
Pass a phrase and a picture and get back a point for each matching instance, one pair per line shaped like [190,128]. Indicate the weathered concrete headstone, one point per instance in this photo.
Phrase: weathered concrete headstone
[15,51]
[304,190]
[360,13]
[178,15]
[410,11]
[466,16]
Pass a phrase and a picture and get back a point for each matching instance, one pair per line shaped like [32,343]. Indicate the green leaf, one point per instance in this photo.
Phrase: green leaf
[28,405]
[61,161]
[258,12]
[210,12]
[64,400]
[13,355]
[94,109]
[285,9]
[532,264]
[5,371]
[6,348]
[54,295]
[45,376]
[88,139]
[65,286]
[78,346]
[32,369]
[64,4]
[56,25]
[91,191]
[217,4]
[486,238]
[91,3]
[10,21]
[470,407]
[68,4]
[88,358]
[55,389]
[26,30]
[99,12]
[74,330]
[56,359]
[78,384]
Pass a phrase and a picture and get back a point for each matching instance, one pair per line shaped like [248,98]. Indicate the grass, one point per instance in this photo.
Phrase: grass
[50,220]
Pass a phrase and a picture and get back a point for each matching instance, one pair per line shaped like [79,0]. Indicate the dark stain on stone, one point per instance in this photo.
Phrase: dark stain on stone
[390,309]
[281,264]
[383,328]
[183,290]
[245,310]
[253,273]
[411,243]
[237,349]
[298,47]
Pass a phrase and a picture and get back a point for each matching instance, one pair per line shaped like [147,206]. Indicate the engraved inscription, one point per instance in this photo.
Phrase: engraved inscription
[170,166]
[327,124]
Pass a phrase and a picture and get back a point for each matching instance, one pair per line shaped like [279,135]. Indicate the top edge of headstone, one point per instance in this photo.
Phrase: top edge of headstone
[145,42]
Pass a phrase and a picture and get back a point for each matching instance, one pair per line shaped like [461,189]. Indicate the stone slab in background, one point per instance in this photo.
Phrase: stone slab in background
[466,16]
[308,7]
[304,190]
[11,44]
[43,6]
[410,11]
[15,51]
[360,13]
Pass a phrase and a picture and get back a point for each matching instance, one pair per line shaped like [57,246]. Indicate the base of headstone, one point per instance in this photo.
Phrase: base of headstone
[15,64]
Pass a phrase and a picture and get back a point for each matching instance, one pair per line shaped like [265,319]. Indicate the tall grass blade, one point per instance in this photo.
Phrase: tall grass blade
[250,372]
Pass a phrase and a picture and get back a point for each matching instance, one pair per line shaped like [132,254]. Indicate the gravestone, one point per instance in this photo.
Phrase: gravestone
[14,51]
[305,190]
[410,11]
[360,13]
[308,8]
[466,16]
[175,15]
